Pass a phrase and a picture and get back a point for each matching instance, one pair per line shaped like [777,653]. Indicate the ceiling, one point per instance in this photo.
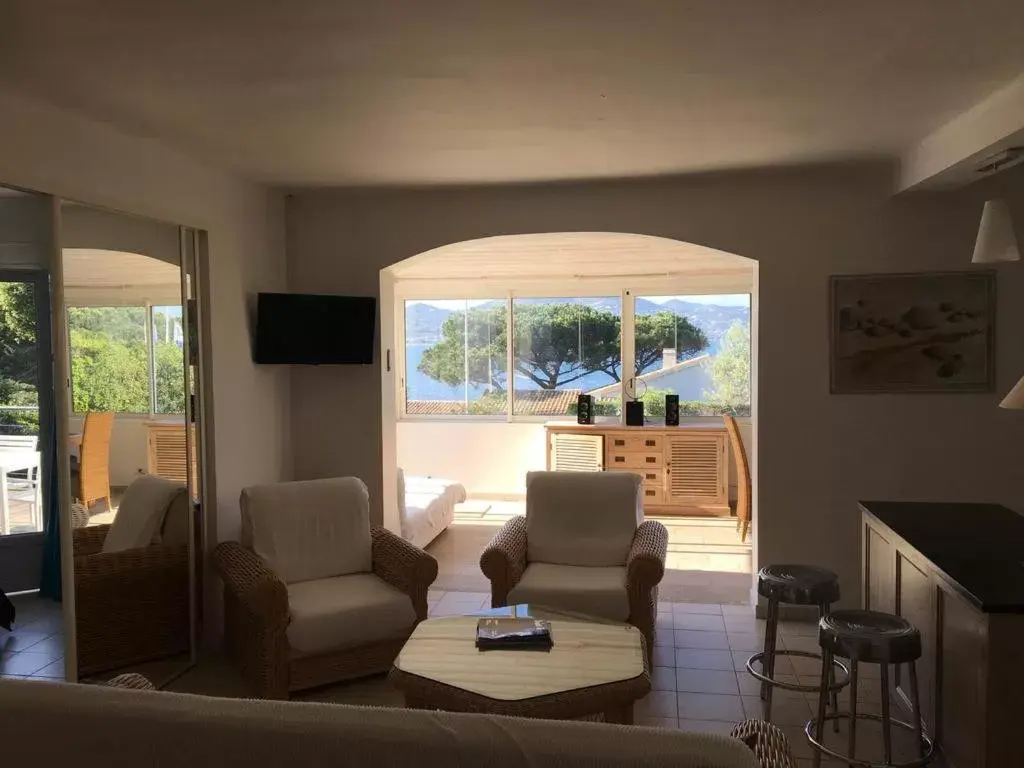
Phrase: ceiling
[318,92]
[90,268]
[567,255]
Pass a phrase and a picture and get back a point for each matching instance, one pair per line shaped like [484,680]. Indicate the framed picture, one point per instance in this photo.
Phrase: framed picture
[926,332]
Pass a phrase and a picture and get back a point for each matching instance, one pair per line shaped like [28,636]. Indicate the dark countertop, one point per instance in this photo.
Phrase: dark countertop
[980,547]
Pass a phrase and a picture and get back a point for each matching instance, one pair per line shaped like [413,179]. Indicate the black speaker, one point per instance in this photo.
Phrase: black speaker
[634,413]
[671,410]
[585,409]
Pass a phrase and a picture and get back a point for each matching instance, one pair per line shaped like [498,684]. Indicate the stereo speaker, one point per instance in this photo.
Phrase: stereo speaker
[634,413]
[585,409]
[672,410]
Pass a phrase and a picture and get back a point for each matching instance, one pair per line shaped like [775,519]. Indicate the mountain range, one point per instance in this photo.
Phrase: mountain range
[423,321]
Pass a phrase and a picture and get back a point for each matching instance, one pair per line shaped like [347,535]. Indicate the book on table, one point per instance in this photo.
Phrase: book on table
[513,634]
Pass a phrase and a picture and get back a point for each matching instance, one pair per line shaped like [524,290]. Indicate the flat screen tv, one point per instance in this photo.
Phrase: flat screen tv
[312,329]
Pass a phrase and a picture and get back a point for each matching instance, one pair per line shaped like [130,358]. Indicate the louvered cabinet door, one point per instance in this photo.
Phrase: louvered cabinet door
[576,453]
[696,471]
[167,452]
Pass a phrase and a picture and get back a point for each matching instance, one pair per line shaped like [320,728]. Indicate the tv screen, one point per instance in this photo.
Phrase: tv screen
[309,329]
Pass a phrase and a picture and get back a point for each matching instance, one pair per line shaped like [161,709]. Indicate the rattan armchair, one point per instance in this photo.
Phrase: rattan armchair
[506,558]
[130,606]
[256,618]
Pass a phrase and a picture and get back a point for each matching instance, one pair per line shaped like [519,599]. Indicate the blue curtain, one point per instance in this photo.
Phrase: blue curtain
[50,583]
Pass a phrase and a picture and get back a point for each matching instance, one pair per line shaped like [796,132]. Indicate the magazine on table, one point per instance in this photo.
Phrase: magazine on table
[513,634]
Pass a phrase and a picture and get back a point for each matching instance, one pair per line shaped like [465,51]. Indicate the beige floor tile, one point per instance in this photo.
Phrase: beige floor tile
[745,642]
[709,706]
[699,621]
[656,704]
[697,658]
[691,638]
[791,712]
[699,608]
[663,678]
[706,681]
[656,722]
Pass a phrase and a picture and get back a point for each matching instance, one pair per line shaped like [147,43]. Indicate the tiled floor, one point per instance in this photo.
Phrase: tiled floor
[706,561]
[699,678]
[35,648]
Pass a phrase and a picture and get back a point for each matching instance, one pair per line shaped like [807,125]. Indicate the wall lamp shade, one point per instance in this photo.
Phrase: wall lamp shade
[1015,398]
[996,239]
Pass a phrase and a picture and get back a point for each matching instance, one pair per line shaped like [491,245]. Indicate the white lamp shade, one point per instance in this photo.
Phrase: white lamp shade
[996,239]
[1015,398]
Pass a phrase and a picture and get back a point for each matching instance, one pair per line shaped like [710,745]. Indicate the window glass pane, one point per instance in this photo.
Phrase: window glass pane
[169,360]
[455,354]
[697,347]
[564,348]
[109,366]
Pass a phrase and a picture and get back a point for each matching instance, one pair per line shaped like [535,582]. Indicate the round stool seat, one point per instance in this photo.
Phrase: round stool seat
[869,636]
[798,584]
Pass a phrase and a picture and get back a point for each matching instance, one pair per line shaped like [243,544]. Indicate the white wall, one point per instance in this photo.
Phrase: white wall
[818,453]
[55,151]
[489,458]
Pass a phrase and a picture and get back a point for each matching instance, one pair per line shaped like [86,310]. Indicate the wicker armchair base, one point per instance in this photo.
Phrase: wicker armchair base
[769,744]
[335,667]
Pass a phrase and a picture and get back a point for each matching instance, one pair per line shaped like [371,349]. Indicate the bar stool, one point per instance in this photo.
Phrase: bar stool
[869,637]
[794,585]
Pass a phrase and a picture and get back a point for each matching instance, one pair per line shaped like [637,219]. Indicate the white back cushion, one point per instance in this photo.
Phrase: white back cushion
[141,512]
[582,518]
[312,529]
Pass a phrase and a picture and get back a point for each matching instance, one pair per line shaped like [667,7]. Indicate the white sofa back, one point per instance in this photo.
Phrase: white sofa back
[92,726]
[582,518]
[310,529]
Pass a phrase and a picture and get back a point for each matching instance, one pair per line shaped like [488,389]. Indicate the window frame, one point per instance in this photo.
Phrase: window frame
[148,306]
[580,286]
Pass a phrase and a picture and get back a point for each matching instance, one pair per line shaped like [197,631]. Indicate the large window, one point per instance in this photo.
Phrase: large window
[565,348]
[115,367]
[697,347]
[455,358]
[458,357]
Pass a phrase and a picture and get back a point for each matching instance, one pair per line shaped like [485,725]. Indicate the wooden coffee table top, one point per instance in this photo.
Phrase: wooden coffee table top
[585,654]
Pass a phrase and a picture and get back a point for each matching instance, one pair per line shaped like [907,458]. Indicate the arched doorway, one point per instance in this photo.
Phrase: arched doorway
[466,392]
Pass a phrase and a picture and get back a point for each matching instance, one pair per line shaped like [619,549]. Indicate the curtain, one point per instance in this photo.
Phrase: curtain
[50,583]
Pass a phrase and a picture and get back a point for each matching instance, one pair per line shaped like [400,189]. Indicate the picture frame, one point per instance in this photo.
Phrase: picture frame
[905,333]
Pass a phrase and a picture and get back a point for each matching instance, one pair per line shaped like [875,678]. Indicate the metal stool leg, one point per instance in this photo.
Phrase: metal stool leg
[915,711]
[852,748]
[825,608]
[768,663]
[886,720]
[823,697]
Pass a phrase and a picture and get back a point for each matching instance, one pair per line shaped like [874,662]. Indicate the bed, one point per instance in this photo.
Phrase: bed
[426,506]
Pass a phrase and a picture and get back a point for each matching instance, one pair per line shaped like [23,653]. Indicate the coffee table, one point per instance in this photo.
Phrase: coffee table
[595,668]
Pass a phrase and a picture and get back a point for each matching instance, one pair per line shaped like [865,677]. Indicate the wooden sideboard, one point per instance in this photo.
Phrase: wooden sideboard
[955,572]
[685,470]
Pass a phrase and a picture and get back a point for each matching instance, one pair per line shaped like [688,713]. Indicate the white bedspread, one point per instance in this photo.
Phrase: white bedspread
[429,507]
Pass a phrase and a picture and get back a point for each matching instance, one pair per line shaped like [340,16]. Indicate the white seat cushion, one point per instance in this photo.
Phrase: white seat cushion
[313,529]
[346,611]
[141,513]
[592,591]
[582,518]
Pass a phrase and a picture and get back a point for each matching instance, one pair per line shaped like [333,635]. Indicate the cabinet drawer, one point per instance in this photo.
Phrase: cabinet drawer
[653,495]
[618,458]
[635,443]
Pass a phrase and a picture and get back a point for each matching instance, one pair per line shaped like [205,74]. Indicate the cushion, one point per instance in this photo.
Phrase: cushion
[346,611]
[313,529]
[592,591]
[582,518]
[141,513]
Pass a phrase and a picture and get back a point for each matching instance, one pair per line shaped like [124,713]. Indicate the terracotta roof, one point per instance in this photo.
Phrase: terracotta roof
[533,402]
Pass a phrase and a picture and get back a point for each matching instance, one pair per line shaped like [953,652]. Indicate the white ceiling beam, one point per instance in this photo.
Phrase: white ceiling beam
[949,155]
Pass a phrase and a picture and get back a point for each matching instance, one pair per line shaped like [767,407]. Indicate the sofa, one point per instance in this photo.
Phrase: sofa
[426,506]
[583,546]
[110,728]
[313,594]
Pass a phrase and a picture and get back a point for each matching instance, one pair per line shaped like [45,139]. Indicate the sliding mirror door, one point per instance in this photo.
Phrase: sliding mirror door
[135,488]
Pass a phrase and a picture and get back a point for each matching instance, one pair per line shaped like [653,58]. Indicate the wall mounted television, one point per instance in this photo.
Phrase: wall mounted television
[314,329]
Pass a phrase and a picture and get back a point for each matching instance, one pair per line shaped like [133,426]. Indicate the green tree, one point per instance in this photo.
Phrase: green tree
[555,344]
[170,378]
[731,369]
[107,374]
[18,357]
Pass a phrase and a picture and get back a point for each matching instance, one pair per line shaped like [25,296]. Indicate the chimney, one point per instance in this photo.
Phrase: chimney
[668,358]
